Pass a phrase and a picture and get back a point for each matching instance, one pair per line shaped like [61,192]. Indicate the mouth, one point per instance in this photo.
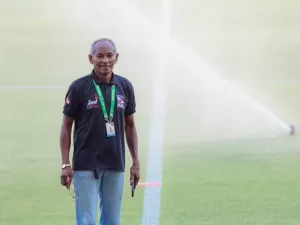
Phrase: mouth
[105,67]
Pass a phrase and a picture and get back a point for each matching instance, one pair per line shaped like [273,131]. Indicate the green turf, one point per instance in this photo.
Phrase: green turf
[232,183]
[245,182]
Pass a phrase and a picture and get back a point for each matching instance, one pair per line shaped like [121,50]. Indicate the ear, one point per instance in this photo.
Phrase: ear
[91,59]
[117,57]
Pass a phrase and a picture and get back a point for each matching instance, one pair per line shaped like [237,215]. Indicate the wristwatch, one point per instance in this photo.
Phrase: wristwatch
[65,165]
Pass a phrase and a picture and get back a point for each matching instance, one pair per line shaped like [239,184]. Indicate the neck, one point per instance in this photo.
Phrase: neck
[103,77]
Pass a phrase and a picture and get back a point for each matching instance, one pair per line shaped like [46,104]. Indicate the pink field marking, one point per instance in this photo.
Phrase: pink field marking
[150,184]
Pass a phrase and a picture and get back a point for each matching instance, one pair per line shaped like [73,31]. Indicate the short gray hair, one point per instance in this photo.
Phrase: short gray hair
[92,51]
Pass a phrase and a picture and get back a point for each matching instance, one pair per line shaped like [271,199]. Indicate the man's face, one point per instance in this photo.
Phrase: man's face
[103,58]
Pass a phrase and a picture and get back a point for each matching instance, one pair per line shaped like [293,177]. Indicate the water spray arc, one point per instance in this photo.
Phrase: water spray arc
[151,208]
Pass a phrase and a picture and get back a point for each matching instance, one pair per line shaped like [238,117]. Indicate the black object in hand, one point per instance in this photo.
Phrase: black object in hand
[132,188]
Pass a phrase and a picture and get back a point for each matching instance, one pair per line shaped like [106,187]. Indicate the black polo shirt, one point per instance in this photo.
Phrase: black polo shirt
[92,148]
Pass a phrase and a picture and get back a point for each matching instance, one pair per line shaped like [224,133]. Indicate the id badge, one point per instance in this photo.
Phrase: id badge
[110,129]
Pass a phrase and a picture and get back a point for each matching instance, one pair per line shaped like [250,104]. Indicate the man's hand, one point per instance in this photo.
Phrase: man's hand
[66,177]
[135,174]
[65,143]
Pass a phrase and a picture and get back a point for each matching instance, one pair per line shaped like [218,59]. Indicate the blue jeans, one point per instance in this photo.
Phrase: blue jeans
[109,189]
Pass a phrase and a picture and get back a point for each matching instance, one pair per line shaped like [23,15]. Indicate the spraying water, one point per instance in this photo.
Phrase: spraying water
[151,209]
[210,106]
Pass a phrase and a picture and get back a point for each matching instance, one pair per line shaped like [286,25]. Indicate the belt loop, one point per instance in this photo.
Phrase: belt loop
[96,174]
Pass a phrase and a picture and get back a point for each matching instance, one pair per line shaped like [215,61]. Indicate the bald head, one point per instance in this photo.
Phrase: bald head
[101,40]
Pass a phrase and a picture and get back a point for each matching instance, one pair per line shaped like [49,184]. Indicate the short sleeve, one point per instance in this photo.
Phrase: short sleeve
[71,106]
[130,107]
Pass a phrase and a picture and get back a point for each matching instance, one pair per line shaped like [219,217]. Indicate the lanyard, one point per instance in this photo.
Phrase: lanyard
[102,103]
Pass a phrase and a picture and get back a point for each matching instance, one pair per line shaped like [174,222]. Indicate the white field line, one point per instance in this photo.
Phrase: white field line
[30,87]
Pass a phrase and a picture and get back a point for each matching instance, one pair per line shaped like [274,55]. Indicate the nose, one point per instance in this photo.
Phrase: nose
[105,60]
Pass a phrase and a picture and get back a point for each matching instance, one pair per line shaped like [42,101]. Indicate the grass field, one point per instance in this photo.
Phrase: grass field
[237,182]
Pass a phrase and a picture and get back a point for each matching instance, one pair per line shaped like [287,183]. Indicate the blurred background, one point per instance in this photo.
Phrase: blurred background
[233,81]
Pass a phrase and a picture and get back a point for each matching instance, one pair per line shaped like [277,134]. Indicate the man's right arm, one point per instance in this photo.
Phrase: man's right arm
[70,111]
[65,138]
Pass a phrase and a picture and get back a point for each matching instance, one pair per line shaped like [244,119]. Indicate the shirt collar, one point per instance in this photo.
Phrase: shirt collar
[94,77]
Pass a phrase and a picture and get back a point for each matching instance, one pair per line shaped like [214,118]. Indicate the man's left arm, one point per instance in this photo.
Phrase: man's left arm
[131,135]
[132,139]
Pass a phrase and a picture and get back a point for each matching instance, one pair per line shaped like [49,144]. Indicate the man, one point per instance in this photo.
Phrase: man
[102,107]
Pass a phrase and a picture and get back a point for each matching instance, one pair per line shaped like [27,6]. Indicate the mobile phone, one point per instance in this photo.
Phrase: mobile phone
[132,188]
